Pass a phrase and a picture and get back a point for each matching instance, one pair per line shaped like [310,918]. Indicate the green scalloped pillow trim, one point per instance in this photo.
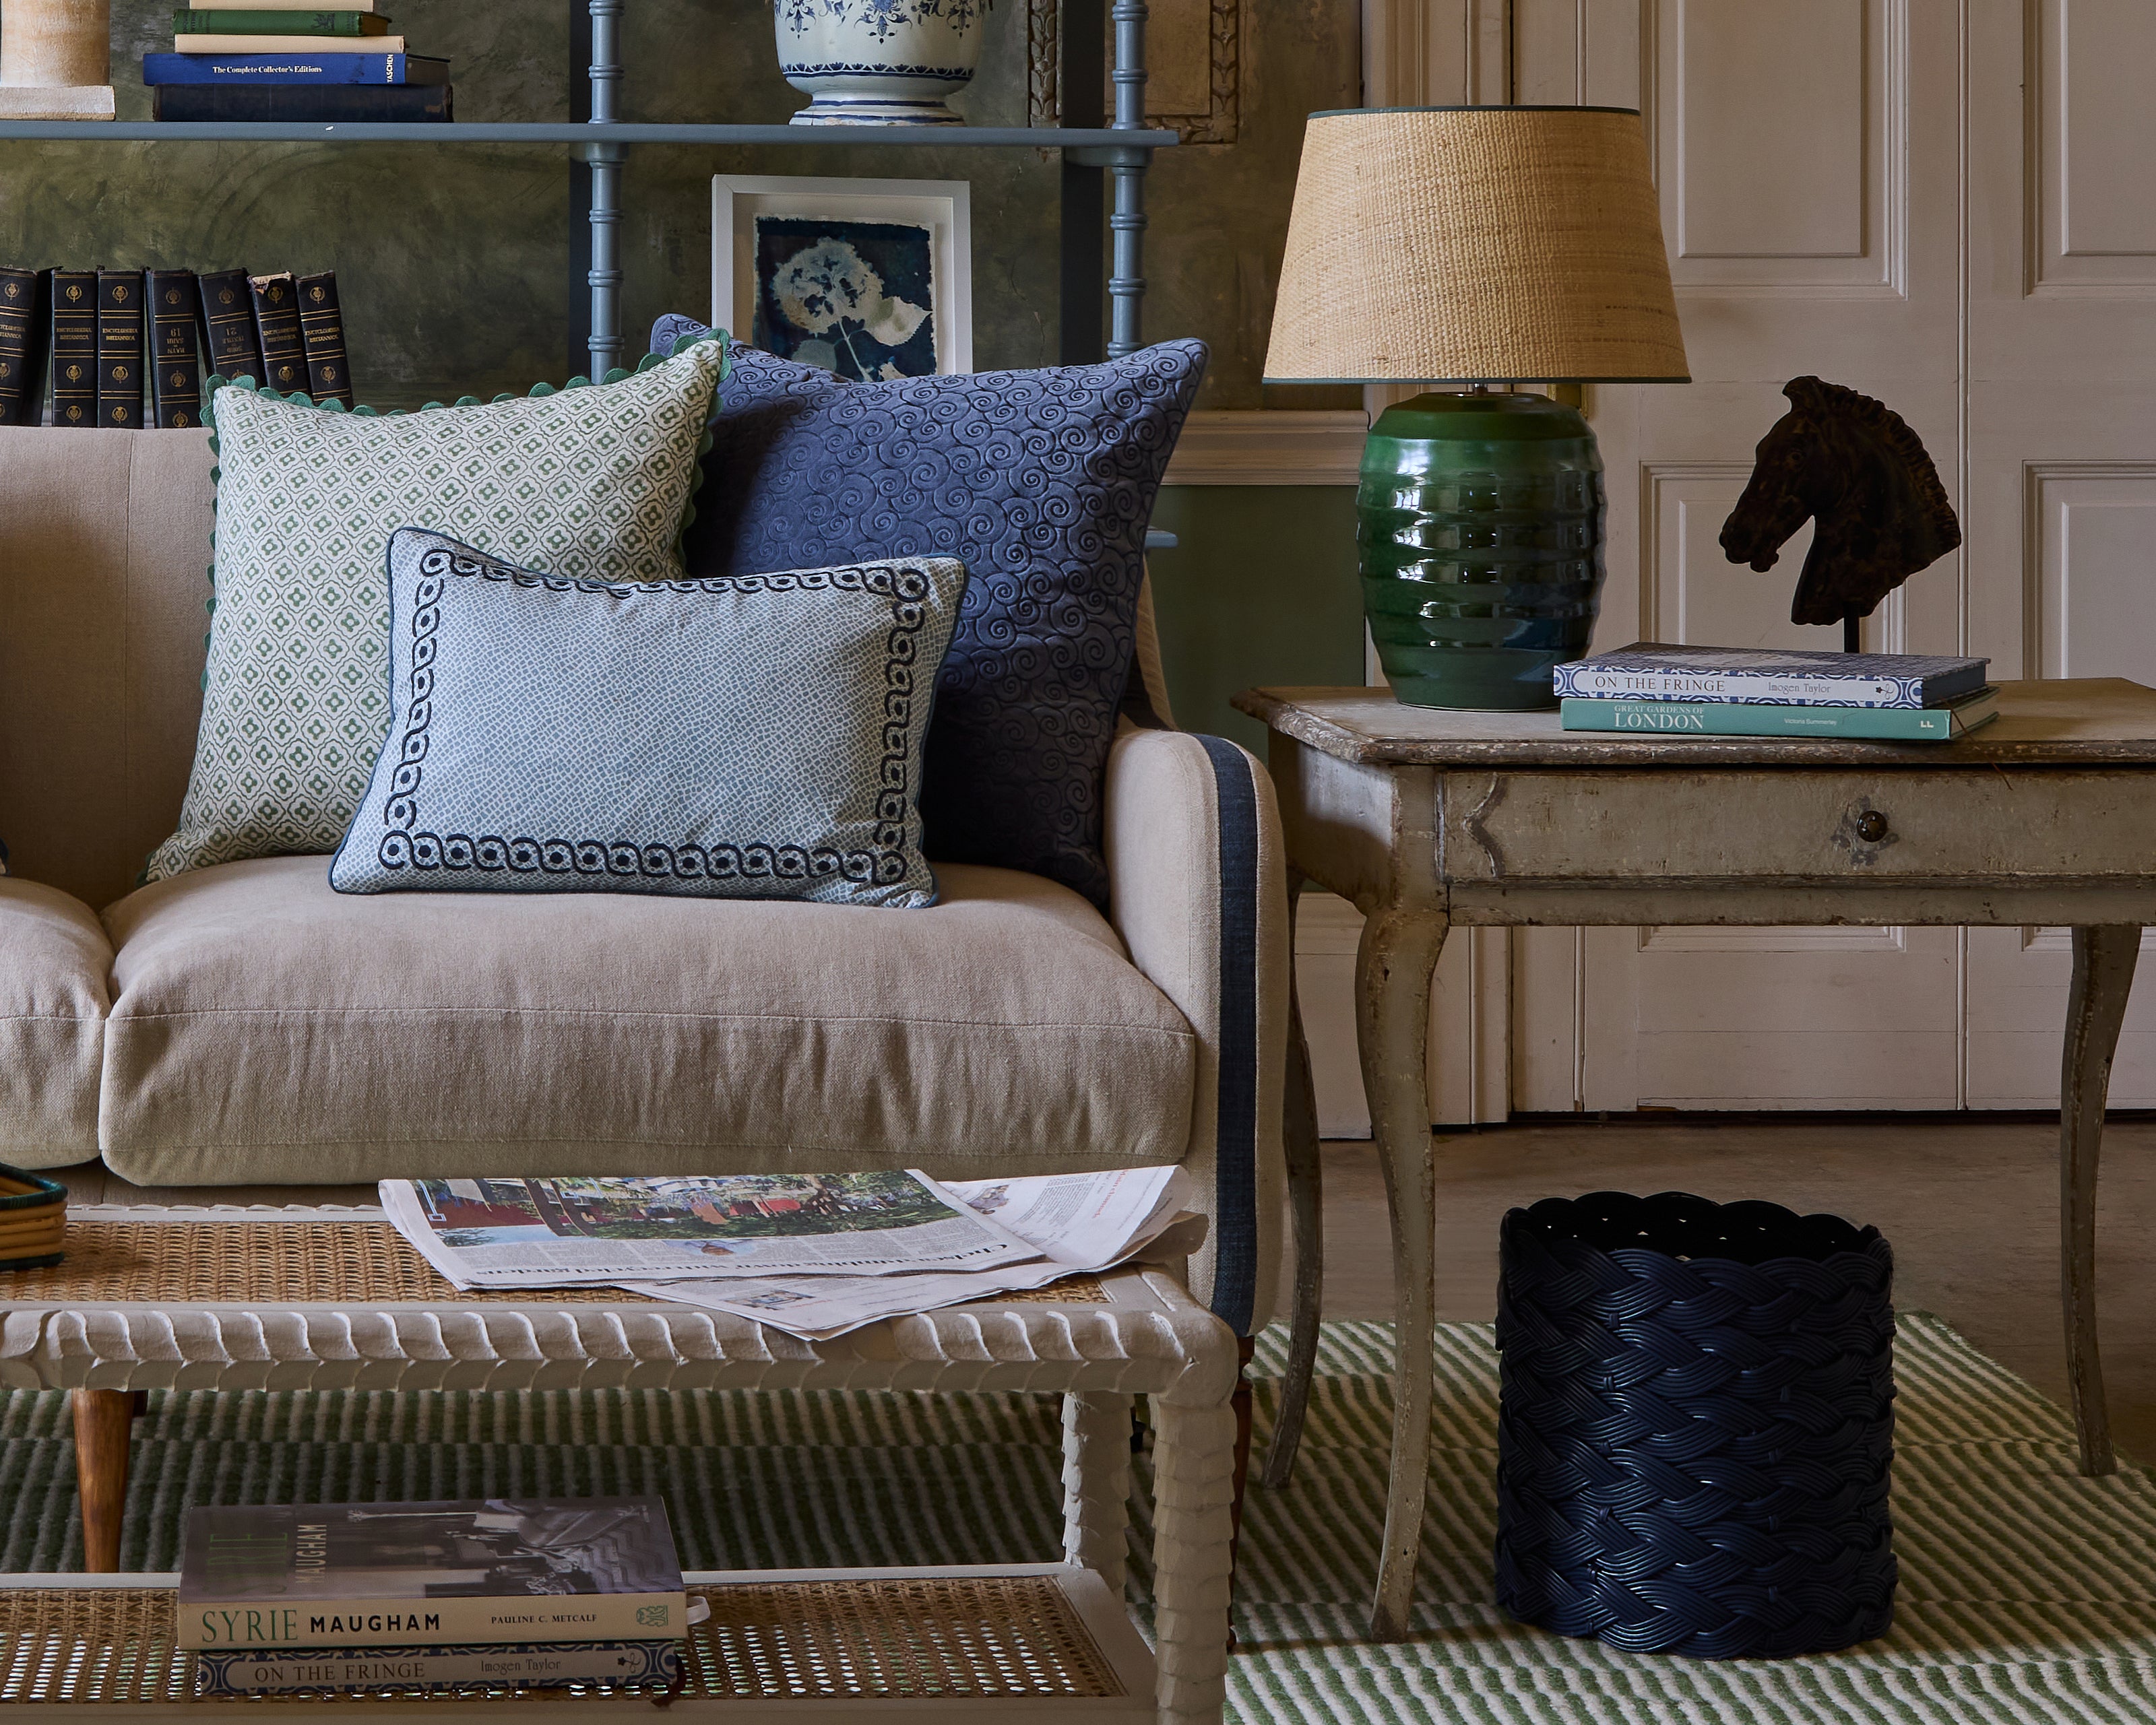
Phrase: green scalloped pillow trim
[299,398]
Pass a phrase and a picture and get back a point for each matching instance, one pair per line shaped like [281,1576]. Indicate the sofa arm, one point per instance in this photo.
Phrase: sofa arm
[1197,889]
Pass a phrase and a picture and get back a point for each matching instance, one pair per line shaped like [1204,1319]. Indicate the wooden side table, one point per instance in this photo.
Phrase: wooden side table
[1429,819]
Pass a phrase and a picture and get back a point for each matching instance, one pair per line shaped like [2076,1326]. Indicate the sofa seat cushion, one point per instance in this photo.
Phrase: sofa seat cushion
[266,1028]
[55,966]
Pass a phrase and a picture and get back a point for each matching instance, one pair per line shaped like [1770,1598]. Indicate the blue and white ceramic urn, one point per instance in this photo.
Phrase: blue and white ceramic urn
[879,62]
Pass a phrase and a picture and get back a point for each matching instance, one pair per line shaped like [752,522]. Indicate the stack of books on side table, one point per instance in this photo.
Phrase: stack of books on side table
[373,1597]
[265,60]
[1653,688]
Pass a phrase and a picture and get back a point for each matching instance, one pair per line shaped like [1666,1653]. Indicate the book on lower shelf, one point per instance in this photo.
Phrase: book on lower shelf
[74,347]
[277,332]
[225,322]
[1740,718]
[349,1580]
[321,338]
[25,327]
[120,338]
[305,103]
[175,366]
[638,1665]
[1663,671]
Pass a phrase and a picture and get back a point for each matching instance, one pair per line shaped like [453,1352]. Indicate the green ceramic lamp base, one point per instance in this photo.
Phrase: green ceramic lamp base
[1480,527]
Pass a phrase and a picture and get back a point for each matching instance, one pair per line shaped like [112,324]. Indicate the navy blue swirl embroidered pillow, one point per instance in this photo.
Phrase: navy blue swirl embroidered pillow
[751,736]
[1042,482]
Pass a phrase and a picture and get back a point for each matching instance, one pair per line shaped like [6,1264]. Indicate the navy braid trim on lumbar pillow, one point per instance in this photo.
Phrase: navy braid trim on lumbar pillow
[1042,482]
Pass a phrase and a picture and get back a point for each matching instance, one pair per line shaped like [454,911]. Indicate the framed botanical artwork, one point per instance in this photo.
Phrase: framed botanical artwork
[870,278]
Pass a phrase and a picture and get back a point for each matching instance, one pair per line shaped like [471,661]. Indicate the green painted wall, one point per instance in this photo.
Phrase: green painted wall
[453,260]
[1262,589]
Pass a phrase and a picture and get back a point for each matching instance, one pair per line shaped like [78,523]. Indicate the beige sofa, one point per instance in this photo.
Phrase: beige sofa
[243,1024]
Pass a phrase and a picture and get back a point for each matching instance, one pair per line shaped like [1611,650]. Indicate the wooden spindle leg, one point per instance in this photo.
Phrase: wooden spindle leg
[103,1419]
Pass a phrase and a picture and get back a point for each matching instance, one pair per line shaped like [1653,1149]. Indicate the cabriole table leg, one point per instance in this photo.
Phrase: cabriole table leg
[1305,1204]
[1393,968]
[102,1423]
[2104,958]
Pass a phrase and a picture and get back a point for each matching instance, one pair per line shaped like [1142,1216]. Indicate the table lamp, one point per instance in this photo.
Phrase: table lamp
[1477,246]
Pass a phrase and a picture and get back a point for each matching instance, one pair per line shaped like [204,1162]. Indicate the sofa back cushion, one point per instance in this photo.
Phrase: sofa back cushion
[105,550]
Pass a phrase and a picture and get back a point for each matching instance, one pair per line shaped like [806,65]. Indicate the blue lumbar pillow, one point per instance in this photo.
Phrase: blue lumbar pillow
[752,736]
[1042,481]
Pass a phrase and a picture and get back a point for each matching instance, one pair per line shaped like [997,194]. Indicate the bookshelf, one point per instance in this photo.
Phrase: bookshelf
[1105,157]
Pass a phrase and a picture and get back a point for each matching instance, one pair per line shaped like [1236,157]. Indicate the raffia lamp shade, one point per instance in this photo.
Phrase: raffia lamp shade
[1463,245]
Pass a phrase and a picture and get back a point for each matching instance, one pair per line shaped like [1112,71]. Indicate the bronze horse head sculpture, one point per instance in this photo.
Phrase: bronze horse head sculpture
[1856,470]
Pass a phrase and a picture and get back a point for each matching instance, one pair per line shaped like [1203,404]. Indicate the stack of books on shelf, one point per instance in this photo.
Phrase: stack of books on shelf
[128,348]
[265,60]
[1652,688]
[381,1598]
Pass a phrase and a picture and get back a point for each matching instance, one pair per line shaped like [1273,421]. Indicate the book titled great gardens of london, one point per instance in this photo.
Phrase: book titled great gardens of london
[352,1576]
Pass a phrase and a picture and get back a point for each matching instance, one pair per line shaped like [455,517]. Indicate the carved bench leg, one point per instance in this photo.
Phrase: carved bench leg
[1193,1502]
[103,1419]
[2104,958]
[1096,1484]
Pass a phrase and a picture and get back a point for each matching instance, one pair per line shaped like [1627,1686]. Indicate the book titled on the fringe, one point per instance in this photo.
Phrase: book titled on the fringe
[359,1577]
[639,1665]
[334,67]
[1659,671]
[1740,718]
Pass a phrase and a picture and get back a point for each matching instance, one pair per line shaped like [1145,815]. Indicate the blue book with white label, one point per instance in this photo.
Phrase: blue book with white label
[1659,671]
[335,68]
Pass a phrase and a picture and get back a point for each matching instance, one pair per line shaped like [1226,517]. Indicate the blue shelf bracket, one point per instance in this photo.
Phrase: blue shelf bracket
[605,160]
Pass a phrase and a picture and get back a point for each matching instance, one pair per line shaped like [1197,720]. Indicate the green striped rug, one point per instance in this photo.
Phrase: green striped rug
[2028,1594]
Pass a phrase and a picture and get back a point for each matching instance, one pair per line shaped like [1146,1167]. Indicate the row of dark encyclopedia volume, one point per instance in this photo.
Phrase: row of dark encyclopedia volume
[265,61]
[127,348]
[496,1594]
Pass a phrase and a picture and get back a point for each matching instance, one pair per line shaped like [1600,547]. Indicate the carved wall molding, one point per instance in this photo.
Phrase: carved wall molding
[1220,124]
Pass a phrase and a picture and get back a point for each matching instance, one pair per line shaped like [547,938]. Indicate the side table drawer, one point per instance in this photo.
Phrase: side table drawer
[1771,824]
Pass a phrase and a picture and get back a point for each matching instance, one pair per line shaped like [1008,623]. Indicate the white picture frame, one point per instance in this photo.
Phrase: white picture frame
[943,208]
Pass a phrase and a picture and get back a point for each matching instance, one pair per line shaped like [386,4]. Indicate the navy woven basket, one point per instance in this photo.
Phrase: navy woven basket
[1696,1419]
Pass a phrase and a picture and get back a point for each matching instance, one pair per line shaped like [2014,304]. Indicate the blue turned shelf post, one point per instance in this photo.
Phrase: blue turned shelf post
[1084,68]
[1128,223]
[605,160]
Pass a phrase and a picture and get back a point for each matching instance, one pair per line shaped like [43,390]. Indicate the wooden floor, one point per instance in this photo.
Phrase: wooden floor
[1970,1207]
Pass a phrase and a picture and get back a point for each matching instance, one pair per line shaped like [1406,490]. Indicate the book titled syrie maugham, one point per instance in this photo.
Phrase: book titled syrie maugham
[355,1576]
[1660,671]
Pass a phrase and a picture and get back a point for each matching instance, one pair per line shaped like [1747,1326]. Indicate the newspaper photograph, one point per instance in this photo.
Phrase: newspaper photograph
[573,1232]
[1079,1222]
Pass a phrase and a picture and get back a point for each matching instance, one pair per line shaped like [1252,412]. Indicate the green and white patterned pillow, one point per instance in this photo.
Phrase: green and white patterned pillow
[592,481]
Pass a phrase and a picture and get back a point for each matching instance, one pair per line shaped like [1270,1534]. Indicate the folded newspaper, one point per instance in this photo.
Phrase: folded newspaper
[813,1255]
